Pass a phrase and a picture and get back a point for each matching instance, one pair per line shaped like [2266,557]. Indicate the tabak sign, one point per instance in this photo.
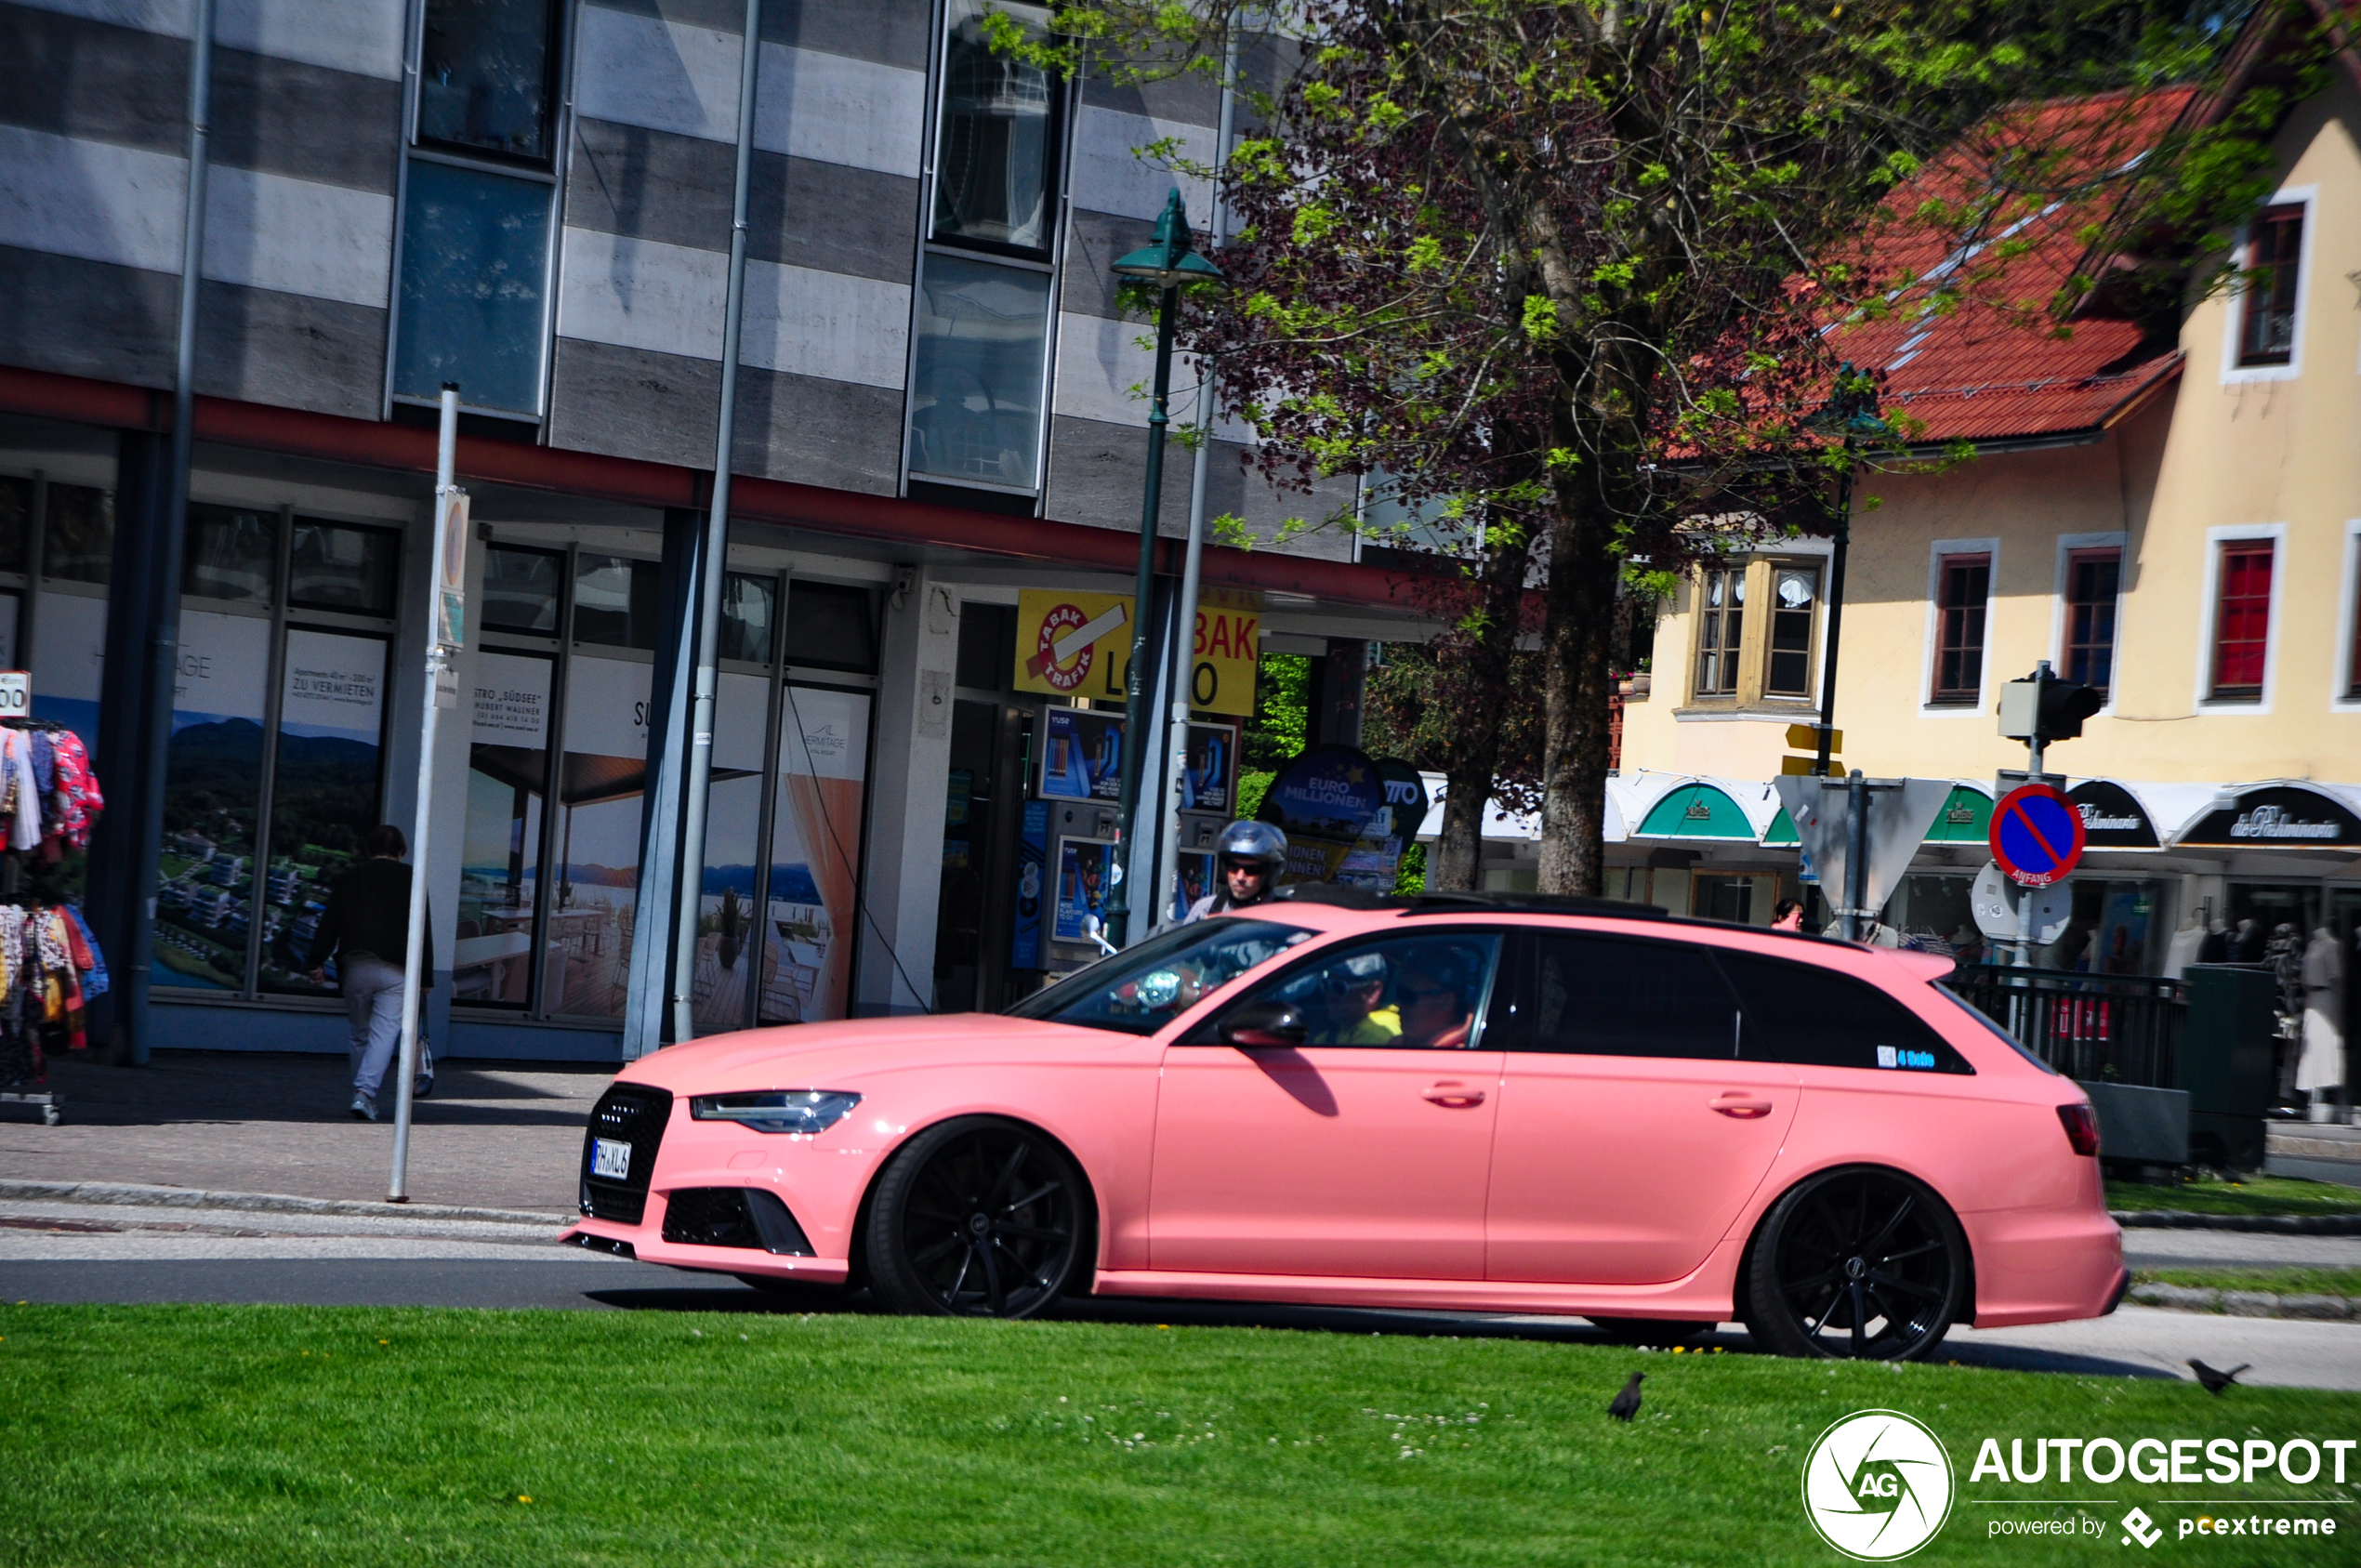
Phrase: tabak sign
[2277,817]
[1074,644]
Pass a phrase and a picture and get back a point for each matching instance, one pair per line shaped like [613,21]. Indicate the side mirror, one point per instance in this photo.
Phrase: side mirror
[1264,1026]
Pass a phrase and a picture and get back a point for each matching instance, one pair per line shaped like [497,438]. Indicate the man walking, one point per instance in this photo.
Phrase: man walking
[366,929]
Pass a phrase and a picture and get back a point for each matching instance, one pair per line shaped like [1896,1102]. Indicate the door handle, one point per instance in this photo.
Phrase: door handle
[1455,1096]
[1745,1107]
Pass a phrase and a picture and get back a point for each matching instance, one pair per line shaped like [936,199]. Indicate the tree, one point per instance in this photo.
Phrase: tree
[1569,267]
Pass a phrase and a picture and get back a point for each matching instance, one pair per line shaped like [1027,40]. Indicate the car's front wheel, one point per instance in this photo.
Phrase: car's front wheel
[1860,1264]
[978,1216]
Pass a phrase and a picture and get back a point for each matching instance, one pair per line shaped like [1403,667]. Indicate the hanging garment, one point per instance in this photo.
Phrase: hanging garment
[11,952]
[2322,1064]
[86,956]
[24,827]
[77,795]
[45,763]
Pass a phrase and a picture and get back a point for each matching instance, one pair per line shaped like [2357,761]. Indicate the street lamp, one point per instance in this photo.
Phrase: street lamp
[1168,261]
[1851,411]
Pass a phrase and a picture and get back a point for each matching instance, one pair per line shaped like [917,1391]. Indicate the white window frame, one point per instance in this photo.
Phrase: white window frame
[2209,614]
[1936,551]
[2069,545]
[2348,621]
[2234,315]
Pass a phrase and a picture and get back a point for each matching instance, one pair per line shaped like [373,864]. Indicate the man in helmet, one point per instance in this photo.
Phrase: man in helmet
[1247,861]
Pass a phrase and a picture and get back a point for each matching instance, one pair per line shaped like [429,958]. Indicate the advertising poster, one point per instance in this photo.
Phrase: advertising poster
[325,796]
[587,960]
[1192,878]
[1086,872]
[500,855]
[1081,754]
[1226,650]
[1073,644]
[1323,802]
[1033,875]
[811,920]
[1209,779]
[726,917]
[212,791]
[1375,860]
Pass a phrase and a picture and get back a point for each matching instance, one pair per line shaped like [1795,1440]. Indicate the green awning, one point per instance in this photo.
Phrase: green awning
[1782,829]
[1696,811]
[1966,818]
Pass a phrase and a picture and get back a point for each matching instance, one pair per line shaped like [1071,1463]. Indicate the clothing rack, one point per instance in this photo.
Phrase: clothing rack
[46,984]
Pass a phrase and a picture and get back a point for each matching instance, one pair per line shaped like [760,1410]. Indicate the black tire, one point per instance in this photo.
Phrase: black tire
[1653,1331]
[979,1216]
[1859,1264]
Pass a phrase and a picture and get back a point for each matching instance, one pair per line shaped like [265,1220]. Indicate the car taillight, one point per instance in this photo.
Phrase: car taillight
[2081,1126]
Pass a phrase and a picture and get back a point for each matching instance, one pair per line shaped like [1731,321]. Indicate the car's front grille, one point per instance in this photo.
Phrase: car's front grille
[633,1115]
[748,1217]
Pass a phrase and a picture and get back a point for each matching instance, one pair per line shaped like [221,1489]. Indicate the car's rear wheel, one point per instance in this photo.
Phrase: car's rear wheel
[979,1216]
[1858,1264]
[1653,1331]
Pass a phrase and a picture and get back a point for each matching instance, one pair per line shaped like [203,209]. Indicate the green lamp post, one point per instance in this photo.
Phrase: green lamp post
[1168,260]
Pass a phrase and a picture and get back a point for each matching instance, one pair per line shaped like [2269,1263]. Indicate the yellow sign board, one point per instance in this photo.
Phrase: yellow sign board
[1806,737]
[1079,645]
[1806,767]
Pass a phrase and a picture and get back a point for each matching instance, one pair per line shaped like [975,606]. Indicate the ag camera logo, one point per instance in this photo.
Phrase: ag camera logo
[1876,1486]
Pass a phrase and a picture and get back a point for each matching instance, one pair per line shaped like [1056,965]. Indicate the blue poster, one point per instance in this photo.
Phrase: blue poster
[1330,792]
[1082,755]
[1032,872]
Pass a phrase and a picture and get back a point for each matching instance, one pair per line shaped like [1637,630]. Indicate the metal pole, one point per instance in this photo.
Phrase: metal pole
[2034,748]
[1135,687]
[1176,728]
[1856,852]
[414,943]
[163,634]
[1836,617]
[714,562]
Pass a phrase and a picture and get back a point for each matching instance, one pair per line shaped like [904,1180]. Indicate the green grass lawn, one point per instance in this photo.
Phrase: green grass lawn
[2287,1282]
[2260,1194]
[265,1435]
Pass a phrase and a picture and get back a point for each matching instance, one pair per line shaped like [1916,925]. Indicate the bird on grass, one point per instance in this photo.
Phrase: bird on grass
[2215,1380]
[1627,1404]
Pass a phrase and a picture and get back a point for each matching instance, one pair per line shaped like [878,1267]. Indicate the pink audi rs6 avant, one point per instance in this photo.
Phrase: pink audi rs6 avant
[1451,1102]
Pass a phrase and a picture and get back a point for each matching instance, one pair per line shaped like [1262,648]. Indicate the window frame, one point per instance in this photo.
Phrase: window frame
[2234,368]
[1054,172]
[553,23]
[1734,661]
[2072,550]
[2217,544]
[1947,556]
[1773,566]
[1203,1024]
[2344,686]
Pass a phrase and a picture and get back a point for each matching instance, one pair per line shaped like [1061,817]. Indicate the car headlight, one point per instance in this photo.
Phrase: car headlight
[804,1110]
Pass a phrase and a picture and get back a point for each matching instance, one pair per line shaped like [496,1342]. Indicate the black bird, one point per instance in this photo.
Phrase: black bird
[1627,1404]
[2216,1380]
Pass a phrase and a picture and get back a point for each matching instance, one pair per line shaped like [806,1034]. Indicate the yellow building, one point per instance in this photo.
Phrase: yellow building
[2178,522]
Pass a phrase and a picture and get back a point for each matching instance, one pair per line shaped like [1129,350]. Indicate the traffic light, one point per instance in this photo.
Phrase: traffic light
[2041,708]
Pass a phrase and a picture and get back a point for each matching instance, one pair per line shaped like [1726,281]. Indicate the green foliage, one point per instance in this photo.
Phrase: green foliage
[1280,726]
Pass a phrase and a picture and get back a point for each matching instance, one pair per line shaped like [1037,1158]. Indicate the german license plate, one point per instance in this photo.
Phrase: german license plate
[610,1159]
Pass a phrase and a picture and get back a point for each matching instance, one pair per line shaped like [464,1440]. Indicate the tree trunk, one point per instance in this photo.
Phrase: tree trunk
[1583,570]
[1455,862]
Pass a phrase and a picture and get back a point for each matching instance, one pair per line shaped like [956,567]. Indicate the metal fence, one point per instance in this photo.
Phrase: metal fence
[2123,1029]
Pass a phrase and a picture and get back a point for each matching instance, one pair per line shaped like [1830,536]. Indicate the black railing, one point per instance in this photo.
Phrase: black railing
[2124,1029]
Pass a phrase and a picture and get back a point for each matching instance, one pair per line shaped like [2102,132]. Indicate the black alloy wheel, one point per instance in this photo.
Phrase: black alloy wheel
[978,1217]
[1857,1264]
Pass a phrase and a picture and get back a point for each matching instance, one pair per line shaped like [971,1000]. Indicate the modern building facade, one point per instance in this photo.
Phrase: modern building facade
[531,199]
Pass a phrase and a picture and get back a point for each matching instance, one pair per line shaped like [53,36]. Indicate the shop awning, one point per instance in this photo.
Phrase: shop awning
[1697,810]
[2287,814]
[1966,817]
[2114,818]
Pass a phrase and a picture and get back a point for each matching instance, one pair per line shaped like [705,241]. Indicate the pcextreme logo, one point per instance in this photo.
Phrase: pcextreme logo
[1876,1486]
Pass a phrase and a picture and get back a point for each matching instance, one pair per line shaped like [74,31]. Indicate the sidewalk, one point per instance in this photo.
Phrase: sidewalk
[491,1137]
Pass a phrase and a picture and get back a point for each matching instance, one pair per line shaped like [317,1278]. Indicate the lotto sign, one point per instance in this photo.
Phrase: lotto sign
[2037,836]
[1073,644]
[1223,656]
[16,693]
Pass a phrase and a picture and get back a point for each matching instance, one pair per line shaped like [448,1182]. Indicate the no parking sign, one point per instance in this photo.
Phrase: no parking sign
[2037,836]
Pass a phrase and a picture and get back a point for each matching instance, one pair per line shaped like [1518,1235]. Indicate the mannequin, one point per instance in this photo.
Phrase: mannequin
[2182,950]
[2321,1069]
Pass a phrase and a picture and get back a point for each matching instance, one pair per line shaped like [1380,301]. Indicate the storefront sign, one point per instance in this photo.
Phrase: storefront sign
[1082,755]
[1073,644]
[2112,819]
[2277,817]
[451,572]
[1323,802]
[15,692]
[1225,650]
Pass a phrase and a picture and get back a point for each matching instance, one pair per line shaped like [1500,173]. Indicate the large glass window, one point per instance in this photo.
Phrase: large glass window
[598,806]
[811,915]
[994,171]
[1964,584]
[324,791]
[334,566]
[728,931]
[750,615]
[500,861]
[2242,620]
[521,589]
[2275,252]
[475,266]
[78,533]
[976,400]
[618,602]
[830,627]
[16,522]
[1721,597]
[212,799]
[1795,592]
[486,76]
[2092,580]
[230,555]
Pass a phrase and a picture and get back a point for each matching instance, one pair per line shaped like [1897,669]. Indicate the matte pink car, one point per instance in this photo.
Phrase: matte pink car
[1454,1102]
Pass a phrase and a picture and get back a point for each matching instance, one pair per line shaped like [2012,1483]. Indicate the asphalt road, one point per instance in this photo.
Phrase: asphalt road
[488,1268]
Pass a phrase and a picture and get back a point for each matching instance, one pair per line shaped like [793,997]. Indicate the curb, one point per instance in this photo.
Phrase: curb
[2247,1303]
[2284,1224]
[133,1196]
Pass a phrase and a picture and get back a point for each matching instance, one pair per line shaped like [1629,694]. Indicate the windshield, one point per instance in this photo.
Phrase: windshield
[1141,990]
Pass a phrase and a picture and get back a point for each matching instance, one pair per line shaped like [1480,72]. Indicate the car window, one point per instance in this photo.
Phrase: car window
[1814,1016]
[1401,992]
[1143,988]
[1596,996]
